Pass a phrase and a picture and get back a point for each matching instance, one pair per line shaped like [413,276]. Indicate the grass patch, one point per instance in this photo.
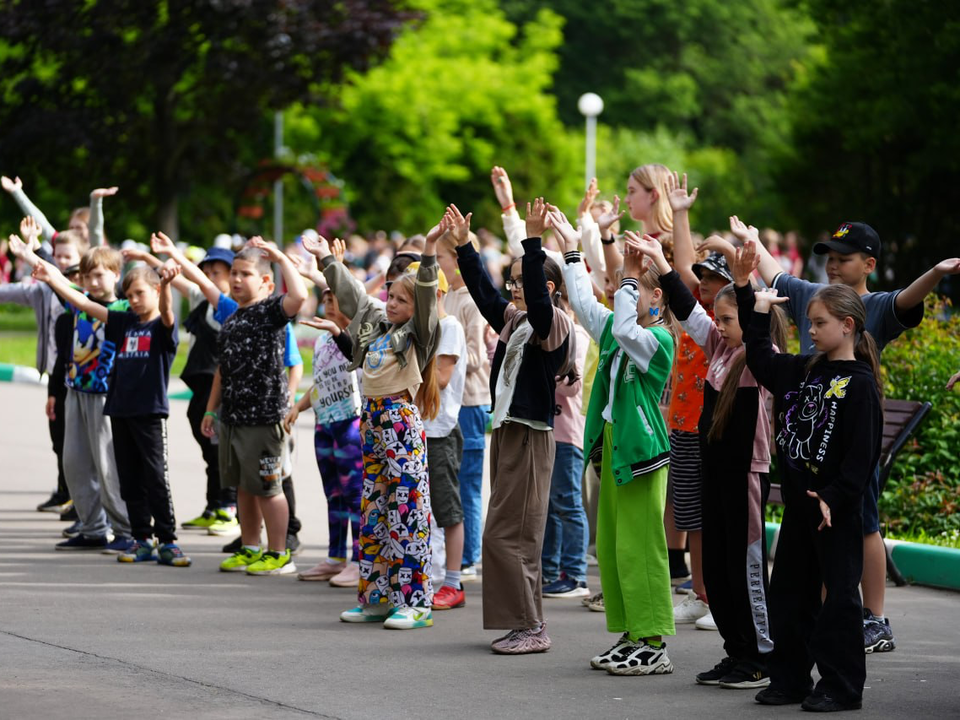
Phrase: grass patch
[18,347]
[17,318]
[950,539]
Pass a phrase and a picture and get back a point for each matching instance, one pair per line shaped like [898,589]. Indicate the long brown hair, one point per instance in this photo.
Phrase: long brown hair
[843,302]
[723,410]
[654,177]
[428,396]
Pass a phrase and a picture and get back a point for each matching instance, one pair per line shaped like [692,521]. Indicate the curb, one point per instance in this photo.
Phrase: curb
[21,374]
[920,564]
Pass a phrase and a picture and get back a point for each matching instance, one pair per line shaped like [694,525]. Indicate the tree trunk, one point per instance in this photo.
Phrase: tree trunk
[168,219]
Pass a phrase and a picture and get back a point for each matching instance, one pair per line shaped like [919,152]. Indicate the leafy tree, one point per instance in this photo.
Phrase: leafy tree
[163,97]
[464,91]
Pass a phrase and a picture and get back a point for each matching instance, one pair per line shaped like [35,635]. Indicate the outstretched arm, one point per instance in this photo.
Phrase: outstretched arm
[179,283]
[769,267]
[915,293]
[683,252]
[296,291]
[95,223]
[15,188]
[45,272]
[161,244]
[611,253]
[168,274]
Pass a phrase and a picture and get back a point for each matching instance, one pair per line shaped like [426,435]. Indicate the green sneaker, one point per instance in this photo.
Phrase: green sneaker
[367,613]
[141,551]
[273,563]
[170,554]
[409,618]
[224,523]
[240,560]
[201,522]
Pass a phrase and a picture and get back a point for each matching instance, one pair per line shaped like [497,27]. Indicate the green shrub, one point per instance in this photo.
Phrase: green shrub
[923,492]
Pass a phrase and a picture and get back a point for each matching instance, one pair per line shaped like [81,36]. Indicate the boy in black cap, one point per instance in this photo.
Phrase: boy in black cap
[852,254]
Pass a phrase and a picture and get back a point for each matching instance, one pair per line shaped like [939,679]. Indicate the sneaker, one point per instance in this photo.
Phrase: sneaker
[523,642]
[241,560]
[409,618]
[81,542]
[71,531]
[825,703]
[623,647]
[224,523]
[447,598]
[774,696]
[233,546]
[706,622]
[172,555]
[593,598]
[349,577]
[293,544]
[272,563]
[69,515]
[566,588]
[56,503]
[201,522]
[684,588]
[366,613]
[324,570]
[140,551]
[597,604]
[120,544]
[644,659]
[877,636]
[468,573]
[745,676]
[720,670]
[690,610]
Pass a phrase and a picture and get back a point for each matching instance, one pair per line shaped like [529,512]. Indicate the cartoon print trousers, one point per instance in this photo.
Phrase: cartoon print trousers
[395,559]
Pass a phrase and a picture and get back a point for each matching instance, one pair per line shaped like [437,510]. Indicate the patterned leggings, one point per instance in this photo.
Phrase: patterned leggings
[341,470]
[395,559]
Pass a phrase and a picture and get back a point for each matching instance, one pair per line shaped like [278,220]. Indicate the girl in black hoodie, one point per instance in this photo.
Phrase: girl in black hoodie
[828,432]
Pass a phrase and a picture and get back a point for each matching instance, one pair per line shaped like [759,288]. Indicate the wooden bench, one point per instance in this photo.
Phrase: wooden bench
[901,418]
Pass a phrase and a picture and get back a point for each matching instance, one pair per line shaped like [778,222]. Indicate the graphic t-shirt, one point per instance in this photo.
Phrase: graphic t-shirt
[453,341]
[335,394]
[227,306]
[144,355]
[251,346]
[93,355]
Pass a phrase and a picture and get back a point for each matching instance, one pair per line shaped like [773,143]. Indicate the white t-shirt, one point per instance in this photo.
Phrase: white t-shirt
[452,342]
[334,395]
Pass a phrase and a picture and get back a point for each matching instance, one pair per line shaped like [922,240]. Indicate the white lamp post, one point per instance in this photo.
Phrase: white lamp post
[590,105]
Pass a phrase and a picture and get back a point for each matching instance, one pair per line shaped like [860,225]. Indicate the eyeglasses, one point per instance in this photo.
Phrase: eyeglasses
[514,283]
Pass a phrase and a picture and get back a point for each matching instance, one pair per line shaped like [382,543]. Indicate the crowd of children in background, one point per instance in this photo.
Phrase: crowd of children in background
[633,386]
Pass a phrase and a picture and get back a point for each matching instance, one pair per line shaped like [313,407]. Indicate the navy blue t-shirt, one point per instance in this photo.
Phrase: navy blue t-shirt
[141,369]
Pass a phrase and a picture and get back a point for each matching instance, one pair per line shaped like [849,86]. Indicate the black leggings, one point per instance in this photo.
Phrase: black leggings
[217,497]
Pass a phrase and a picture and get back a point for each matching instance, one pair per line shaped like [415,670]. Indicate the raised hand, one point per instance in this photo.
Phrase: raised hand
[104,192]
[317,246]
[457,224]
[41,271]
[824,510]
[633,257]
[589,197]
[715,243]
[536,218]
[502,187]
[269,249]
[746,260]
[323,324]
[607,220]
[134,255]
[31,231]
[339,249]
[648,247]
[161,244]
[9,185]
[168,272]
[677,193]
[564,230]
[948,267]
[742,231]
[766,297]
[18,247]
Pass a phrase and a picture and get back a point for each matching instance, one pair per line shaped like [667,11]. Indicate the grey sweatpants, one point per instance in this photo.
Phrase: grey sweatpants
[90,468]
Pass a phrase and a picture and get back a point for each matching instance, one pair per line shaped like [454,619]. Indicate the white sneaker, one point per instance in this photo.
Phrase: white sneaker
[468,573]
[644,659]
[706,622]
[408,618]
[617,653]
[366,613]
[690,610]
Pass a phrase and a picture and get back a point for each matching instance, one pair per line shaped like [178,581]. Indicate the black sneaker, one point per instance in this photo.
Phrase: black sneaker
[233,547]
[83,543]
[877,636]
[773,696]
[825,703]
[56,503]
[70,515]
[293,544]
[745,676]
[720,670]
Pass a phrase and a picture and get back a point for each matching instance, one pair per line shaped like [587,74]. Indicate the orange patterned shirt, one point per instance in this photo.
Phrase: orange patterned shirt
[687,381]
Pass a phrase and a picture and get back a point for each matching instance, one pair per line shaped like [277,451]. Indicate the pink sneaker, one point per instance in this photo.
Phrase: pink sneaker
[523,642]
[323,570]
[349,577]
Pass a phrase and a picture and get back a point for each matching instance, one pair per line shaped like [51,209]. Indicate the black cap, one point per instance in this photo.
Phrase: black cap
[852,237]
[72,270]
[715,263]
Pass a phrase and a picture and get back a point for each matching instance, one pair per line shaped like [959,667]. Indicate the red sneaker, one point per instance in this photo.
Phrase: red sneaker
[447,597]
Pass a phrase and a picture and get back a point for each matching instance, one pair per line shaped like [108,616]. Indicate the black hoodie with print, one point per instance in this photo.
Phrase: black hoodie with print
[829,421]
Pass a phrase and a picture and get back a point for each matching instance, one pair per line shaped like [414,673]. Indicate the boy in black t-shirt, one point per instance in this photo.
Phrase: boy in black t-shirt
[250,387]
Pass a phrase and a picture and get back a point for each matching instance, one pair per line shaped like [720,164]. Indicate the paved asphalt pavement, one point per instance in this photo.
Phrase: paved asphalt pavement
[82,636]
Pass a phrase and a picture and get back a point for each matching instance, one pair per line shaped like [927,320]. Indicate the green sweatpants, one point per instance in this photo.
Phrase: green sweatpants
[632,551]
